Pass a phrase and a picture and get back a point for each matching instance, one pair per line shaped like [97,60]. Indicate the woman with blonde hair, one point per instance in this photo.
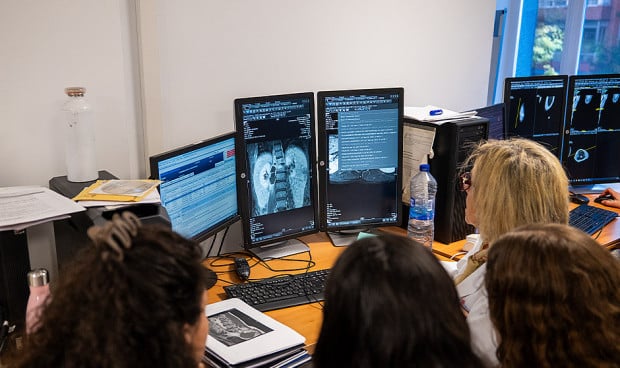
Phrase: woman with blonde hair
[554,298]
[512,182]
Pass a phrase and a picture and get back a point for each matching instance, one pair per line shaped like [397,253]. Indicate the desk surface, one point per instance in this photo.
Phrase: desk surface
[306,319]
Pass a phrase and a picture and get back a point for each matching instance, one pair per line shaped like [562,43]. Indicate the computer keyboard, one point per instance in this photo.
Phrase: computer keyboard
[281,292]
[590,219]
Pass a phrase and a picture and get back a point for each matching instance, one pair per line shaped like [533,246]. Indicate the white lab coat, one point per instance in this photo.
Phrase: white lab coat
[474,299]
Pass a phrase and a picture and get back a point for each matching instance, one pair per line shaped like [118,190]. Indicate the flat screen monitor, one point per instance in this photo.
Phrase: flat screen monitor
[360,139]
[276,172]
[198,186]
[592,142]
[535,108]
[495,114]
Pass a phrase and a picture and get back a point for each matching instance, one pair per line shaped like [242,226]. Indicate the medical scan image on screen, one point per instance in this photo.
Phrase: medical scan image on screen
[280,175]
[535,109]
[593,120]
[277,140]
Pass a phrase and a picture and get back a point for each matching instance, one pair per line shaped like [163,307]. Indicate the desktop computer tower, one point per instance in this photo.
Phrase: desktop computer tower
[452,145]
[14,268]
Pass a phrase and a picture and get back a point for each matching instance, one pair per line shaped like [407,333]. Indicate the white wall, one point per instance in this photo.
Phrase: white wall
[46,46]
[214,51]
[205,54]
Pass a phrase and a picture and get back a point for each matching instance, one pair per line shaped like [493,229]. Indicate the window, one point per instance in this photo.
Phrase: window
[548,37]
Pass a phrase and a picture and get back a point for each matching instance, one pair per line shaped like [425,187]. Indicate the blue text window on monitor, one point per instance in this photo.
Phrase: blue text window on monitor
[198,186]
[592,145]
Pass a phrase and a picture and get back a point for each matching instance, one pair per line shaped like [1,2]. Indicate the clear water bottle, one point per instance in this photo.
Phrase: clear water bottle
[423,188]
[80,143]
[38,281]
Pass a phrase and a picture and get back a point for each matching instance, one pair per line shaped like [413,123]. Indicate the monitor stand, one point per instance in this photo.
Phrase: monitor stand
[343,238]
[279,249]
[594,188]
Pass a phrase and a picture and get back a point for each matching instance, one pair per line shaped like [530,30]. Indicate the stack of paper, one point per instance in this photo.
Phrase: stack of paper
[242,337]
[25,206]
[434,114]
[119,192]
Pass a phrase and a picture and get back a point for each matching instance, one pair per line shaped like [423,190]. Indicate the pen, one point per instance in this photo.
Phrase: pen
[4,334]
[435,112]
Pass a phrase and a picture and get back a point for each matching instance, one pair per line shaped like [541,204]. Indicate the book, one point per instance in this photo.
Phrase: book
[242,336]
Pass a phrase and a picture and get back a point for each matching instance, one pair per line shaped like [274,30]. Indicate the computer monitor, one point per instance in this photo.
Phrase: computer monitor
[495,114]
[360,138]
[276,172]
[592,143]
[535,109]
[198,186]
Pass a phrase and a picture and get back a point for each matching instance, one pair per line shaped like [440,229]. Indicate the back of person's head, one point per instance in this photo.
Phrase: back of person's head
[516,182]
[122,302]
[554,298]
[389,303]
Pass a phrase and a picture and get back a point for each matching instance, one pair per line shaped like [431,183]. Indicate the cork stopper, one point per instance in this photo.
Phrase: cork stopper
[75,91]
[38,277]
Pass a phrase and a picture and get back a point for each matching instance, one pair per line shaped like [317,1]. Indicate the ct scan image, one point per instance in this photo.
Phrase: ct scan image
[279,175]
[232,327]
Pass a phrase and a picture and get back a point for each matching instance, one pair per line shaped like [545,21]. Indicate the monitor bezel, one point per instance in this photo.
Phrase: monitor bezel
[506,99]
[567,123]
[323,158]
[243,182]
[154,169]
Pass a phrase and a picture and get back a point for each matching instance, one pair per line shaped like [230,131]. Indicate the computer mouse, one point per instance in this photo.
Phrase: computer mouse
[579,198]
[242,268]
[604,197]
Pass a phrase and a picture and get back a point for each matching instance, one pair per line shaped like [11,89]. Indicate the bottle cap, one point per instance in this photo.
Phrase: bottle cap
[425,167]
[75,91]
[38,277]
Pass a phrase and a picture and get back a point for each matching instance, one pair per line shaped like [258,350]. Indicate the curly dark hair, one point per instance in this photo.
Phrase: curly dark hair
[554,298]
[390,303]
[126,311]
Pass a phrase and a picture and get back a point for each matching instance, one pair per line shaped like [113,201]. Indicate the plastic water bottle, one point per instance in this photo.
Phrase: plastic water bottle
[423,188]
[38,281]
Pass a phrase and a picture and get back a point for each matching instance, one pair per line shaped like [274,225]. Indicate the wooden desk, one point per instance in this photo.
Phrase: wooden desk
[306,319]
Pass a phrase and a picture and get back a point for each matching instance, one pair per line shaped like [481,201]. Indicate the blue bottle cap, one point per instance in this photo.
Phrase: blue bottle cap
[425,167]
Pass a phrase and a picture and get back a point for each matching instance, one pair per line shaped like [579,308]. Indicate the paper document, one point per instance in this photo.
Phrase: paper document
[21,207]
[118,190]
[417,144]
[427,114]
[151,197]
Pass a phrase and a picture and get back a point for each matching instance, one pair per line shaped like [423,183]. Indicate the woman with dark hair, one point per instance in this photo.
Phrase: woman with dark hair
[554,298]
[136,298]
[389,303]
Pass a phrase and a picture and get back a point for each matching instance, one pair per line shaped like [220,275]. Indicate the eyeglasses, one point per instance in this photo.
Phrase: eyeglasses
[465,181]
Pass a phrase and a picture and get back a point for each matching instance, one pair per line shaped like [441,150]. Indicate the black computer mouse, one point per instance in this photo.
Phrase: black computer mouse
[604,197]
[579,198]
[242,268]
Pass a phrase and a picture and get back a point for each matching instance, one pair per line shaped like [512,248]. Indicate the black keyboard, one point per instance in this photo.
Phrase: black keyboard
[281,292]
[590,219]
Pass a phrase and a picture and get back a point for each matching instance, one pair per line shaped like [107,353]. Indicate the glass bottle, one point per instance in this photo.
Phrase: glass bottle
[80,137]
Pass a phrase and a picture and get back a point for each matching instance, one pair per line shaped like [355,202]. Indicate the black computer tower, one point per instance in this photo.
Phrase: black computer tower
[14,268]
[453,142]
